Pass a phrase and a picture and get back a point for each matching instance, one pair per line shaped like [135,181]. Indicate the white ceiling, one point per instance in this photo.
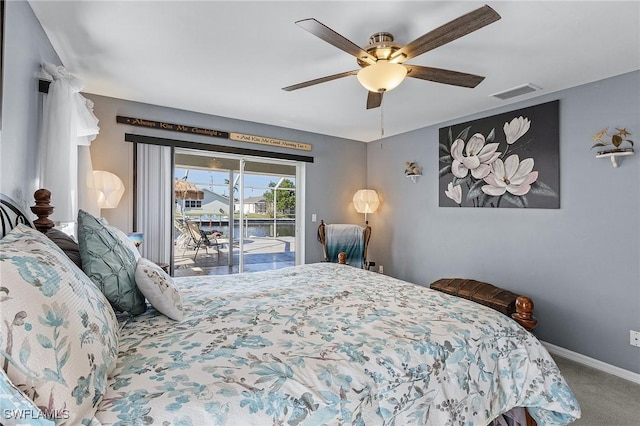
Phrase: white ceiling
[231,58]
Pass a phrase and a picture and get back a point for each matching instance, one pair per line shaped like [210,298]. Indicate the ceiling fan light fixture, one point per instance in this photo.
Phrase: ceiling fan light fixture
[382,76]
[383,52]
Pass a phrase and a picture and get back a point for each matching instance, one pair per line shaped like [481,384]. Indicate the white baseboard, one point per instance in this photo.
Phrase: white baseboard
[594,363]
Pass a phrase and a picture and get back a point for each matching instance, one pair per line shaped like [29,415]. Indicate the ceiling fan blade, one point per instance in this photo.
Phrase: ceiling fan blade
[446,33]
[374,100]
[439,75]
[319,80]
[320,30]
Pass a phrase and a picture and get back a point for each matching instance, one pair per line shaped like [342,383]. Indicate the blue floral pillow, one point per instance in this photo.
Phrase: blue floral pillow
[59,335]
[110,264]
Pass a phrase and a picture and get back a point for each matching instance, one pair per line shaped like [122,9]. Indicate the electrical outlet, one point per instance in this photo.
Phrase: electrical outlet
[634,338]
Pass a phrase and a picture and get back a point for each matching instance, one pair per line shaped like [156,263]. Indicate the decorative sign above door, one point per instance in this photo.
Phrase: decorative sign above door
[173,127]
[151,124]
[270,141]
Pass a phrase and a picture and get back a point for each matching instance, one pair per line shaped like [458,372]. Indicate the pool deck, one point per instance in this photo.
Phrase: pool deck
[260,253]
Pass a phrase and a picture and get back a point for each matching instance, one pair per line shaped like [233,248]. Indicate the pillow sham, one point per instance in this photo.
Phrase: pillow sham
[158,287]
[59,335]
[67,244]
[109,264]
[17,409]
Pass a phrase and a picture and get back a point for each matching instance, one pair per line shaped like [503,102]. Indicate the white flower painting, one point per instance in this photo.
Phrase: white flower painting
[512,175]
[477,157]
[454,192]
[515,167]
[516,128]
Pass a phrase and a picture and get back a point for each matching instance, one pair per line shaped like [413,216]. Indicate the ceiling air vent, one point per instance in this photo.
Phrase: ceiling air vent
[516,91]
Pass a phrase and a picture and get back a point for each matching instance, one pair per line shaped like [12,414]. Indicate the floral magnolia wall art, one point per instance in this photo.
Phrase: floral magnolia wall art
[507,160]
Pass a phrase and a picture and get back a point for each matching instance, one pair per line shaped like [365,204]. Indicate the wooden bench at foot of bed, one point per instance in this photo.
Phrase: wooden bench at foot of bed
[520,308]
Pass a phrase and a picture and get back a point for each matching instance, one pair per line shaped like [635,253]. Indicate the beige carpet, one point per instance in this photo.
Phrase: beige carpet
[605,400]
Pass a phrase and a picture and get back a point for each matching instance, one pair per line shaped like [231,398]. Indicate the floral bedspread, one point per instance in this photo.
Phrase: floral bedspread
[328,344]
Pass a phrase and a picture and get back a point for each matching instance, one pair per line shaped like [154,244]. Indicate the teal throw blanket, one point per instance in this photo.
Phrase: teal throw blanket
[346,238]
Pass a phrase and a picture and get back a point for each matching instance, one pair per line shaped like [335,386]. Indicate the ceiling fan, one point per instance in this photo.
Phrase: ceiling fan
[382,61]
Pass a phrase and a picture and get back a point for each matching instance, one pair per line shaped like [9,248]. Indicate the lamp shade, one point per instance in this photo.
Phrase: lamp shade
[109,189]
[366,201]
[382,76]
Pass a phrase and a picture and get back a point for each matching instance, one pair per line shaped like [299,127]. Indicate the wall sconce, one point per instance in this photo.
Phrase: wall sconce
[615,143]
[366,201]
[412,170]
[109,189]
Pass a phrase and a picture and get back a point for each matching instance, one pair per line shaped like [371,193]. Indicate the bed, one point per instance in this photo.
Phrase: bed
[313,344]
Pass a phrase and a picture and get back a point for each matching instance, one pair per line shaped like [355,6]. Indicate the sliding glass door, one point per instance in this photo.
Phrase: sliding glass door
[267,215]
[235,214]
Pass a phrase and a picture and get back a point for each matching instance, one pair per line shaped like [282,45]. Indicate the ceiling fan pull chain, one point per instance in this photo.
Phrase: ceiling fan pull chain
[381,121]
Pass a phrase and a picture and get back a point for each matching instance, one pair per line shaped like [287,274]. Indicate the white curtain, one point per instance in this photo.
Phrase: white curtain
[153,201]
[68,128]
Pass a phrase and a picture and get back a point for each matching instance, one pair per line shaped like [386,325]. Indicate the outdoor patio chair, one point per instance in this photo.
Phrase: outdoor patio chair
[183,240]
[200,239]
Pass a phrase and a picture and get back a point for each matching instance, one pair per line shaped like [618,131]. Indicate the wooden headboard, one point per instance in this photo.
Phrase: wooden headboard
[11,214]
[43,210]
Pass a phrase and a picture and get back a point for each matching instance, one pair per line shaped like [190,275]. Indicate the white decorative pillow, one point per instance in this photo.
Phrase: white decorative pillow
[59,335]
[159,289]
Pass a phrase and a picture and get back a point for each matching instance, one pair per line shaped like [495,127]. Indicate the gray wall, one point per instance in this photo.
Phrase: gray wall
[25,47]
[338,171]
[580,263]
